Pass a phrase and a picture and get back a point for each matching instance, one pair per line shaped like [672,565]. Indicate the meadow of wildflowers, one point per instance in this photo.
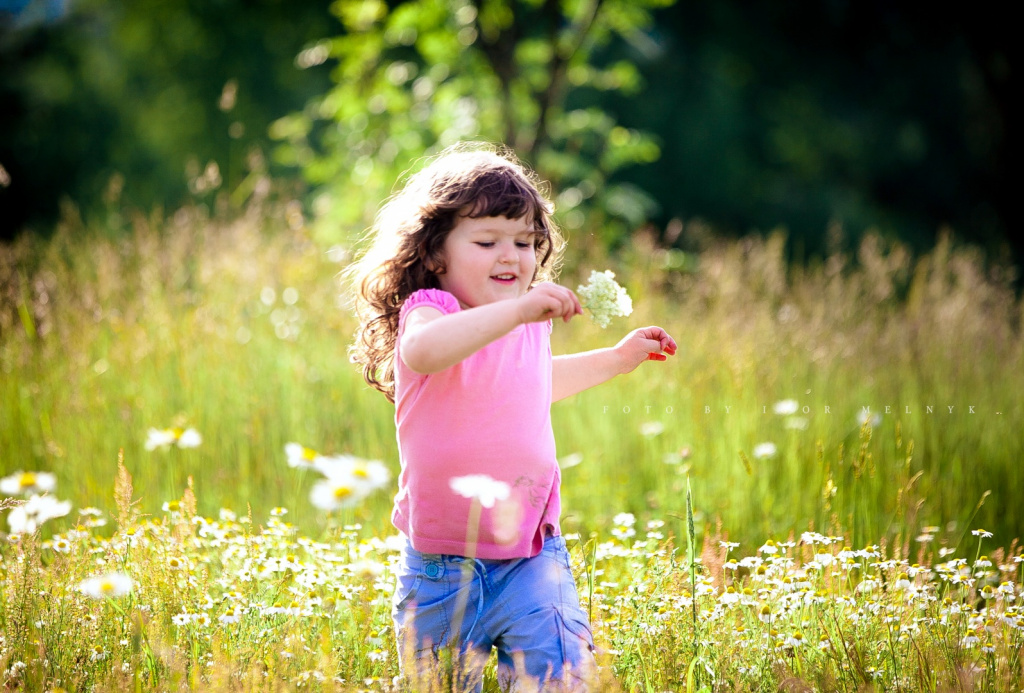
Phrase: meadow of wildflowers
[847,428]
[233,602]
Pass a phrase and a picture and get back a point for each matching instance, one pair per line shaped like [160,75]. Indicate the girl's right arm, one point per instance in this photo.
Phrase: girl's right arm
[433,341]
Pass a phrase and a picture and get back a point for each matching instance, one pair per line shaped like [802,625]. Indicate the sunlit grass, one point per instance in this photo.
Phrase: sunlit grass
[239,331]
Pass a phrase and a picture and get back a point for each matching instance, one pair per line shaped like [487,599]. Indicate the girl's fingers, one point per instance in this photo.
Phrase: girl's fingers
[658,346]
[560,301]
[570,302]
[570,305]
[665,341]
[652,346]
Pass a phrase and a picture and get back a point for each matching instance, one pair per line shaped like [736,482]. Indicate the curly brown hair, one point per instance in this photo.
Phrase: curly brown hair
[406,252]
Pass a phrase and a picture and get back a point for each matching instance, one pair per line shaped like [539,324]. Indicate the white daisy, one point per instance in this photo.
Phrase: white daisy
[27,517]
[481,487]
[786,407]
[652,429]
[332,494]
[28,482]
[109,585]
[189,438]
[366,475]
[299,456]
[570,460]
[166,437]
[159,438]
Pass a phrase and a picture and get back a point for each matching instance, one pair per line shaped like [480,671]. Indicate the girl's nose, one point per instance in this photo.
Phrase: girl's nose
[508,255]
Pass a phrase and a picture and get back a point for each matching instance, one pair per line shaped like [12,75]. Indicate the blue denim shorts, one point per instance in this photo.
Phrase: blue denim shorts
[526,608]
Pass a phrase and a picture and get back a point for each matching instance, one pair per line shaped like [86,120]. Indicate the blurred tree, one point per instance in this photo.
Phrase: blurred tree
[413,78]
[811,115]
[143,103]
[747,115]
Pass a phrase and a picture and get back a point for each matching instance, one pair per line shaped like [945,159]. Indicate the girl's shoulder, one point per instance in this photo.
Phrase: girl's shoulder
[434,298]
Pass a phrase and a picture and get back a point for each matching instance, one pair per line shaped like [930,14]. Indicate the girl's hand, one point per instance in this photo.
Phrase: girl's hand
[548,301]
[644,344]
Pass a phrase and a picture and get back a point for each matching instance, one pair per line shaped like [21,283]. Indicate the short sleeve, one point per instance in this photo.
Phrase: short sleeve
[435,298]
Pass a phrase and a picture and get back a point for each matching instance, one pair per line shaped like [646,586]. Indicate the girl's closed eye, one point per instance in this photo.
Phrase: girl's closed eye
[485,244]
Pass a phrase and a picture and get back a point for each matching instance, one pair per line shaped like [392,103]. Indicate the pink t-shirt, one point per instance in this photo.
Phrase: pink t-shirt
[489,414]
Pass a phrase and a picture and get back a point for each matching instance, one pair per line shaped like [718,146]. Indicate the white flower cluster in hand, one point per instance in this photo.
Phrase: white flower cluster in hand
[604,298]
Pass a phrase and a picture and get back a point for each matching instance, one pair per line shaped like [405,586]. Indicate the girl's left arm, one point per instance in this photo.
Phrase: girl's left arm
[575,373]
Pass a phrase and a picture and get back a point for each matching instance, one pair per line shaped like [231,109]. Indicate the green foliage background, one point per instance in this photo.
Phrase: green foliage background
[430,73]
[744,115]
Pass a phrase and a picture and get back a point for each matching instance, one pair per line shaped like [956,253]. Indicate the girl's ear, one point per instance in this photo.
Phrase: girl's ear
[433,260]
[433,266]
[430,251]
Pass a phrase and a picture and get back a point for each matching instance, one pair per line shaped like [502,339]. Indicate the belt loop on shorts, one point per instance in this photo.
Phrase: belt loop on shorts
[480,573]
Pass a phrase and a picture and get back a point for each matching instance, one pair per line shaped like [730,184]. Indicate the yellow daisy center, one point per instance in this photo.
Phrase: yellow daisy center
[342,492]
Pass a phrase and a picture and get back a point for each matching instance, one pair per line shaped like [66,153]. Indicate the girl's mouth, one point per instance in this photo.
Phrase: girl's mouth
[504,278]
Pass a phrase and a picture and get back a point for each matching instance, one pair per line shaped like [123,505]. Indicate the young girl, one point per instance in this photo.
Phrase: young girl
[455,326]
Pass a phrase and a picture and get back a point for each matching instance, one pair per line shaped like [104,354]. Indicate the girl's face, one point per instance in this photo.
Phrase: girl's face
[489,259]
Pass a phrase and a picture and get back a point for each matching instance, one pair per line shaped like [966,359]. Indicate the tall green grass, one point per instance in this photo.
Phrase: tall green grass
[239,329]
